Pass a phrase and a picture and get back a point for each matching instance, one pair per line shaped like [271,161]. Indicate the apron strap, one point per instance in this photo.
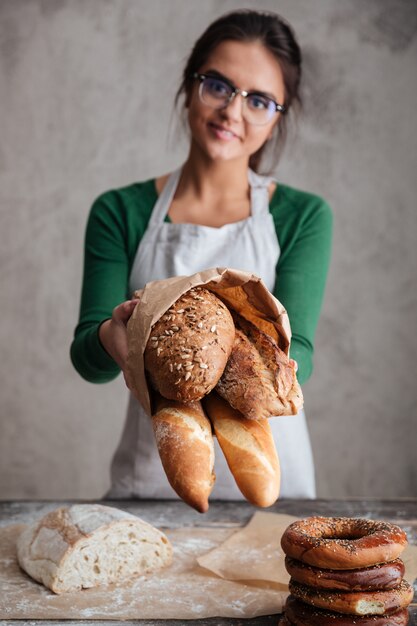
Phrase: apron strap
[165,198]
[259,192]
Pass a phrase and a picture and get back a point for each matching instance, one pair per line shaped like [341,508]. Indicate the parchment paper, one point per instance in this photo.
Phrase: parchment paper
[254,553]
[218,572]
[244,292]
[185,590]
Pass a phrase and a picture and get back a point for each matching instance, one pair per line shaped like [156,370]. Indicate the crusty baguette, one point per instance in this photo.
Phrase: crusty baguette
[259,380]
[87,545]
[249,449]
[185,443]
[188,347]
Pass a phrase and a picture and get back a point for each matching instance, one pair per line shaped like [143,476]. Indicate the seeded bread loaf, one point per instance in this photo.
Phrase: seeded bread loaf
[249,449]
[258,380]
[185,443]
[189,346]
[87,545]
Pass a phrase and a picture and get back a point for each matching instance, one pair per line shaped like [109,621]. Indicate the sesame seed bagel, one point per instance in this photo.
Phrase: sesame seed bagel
[343,542]
[381,576]
[297,613]
[355,602]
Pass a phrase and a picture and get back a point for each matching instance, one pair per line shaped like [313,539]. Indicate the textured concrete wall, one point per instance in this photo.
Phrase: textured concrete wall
[86,93]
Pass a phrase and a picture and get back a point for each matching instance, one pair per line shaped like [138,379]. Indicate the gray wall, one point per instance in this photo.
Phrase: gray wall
[86,91]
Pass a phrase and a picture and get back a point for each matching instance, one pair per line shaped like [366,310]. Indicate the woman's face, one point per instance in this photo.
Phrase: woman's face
[224,134]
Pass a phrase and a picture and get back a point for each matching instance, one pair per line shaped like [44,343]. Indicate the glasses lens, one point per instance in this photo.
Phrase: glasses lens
[215,92]
[259,109]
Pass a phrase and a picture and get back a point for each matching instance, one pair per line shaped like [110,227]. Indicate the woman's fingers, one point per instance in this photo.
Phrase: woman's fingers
[294,364]
[113,333]
[123,312]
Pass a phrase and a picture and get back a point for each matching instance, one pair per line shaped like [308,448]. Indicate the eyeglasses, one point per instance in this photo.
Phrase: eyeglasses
[218,93]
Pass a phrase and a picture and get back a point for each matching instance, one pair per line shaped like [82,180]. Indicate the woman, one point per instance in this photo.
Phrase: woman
[240,81]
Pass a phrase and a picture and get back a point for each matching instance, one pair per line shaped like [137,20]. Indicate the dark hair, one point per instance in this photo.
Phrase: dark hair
[277,36]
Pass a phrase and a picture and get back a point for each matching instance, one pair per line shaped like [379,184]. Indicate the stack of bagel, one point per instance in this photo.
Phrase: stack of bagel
[345,571]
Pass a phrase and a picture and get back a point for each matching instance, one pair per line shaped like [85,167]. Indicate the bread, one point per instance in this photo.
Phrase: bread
[353,603]
[298,613]
[185,443]
[259,381]
[189,346]
[87,545]
[249,449]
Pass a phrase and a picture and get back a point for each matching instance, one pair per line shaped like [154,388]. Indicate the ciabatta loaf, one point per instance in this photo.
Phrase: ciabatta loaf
[189,346]
[259,380]
[87,545]
[184,439]
[249,449]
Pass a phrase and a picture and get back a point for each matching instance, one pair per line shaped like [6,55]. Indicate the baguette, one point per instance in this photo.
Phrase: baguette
[249,449]
[87,545]
[185,444]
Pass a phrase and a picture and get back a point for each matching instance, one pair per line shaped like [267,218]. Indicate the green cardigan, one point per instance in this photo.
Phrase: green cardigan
[117,222]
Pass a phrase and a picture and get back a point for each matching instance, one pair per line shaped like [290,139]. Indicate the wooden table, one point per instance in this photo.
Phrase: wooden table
[175,514]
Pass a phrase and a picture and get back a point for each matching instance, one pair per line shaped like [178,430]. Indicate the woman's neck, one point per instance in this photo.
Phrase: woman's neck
[207,179]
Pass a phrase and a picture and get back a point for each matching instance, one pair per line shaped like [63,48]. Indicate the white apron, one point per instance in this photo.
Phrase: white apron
[167,250]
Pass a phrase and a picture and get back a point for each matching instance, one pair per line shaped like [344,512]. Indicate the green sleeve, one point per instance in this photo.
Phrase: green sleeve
[116,223]
[303,224]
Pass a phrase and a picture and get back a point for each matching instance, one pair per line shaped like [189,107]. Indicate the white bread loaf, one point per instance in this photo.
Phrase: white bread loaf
[188,347]
[249,449]
[185,443]
[87,545]
[258,380]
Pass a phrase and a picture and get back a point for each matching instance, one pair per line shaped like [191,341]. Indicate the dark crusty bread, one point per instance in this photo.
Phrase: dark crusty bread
[249,449]
[185,443]
[259,381]
[189,346]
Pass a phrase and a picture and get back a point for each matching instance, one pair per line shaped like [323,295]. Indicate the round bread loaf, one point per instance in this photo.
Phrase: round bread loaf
[189,346]
[87,545]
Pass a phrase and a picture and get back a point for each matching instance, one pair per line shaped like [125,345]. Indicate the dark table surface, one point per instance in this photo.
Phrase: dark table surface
[175,514]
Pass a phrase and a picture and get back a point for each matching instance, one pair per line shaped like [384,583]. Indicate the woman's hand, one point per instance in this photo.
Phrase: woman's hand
[113,335]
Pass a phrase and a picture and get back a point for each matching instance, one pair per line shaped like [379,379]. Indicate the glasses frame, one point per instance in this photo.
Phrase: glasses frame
[279,108]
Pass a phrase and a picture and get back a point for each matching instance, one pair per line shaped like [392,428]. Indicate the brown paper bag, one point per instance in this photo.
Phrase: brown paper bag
[244,292]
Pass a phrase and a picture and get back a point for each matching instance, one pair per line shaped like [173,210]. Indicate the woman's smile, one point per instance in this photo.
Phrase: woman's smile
[221,132]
